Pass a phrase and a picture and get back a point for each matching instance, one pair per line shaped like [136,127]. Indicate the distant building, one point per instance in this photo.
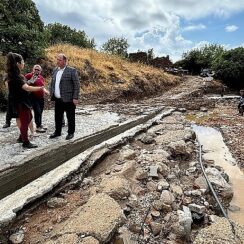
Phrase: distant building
[158,62]
[140,57]
[161,62]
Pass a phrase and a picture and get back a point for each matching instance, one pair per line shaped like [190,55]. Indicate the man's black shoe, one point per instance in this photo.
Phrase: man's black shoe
[29,145]
[6,125]
[54,135]
[69,136]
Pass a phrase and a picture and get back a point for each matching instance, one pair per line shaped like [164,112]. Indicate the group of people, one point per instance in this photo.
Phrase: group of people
[26,92]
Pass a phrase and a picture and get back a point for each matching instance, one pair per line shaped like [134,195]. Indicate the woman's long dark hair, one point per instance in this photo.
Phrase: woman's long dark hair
[12,68]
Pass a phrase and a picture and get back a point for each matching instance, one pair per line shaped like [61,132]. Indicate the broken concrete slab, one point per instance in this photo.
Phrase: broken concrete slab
[100,217]
[10,205]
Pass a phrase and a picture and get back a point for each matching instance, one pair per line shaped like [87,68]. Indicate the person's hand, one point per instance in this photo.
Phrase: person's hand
[46,91]
[75,101]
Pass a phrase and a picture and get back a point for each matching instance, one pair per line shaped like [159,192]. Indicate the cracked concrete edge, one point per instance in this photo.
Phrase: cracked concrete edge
[40,151]
[10,205]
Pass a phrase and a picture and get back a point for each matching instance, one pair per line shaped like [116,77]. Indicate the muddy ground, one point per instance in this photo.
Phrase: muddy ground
[149,180]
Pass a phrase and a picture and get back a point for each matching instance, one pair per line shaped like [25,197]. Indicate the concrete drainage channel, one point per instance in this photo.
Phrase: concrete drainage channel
[41,173]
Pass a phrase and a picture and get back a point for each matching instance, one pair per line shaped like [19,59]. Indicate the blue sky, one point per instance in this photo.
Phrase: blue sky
[169,27]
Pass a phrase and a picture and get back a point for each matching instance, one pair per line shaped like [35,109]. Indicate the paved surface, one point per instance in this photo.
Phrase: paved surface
[89,120]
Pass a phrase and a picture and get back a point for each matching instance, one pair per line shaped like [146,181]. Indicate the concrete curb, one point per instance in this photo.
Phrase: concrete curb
[10,205]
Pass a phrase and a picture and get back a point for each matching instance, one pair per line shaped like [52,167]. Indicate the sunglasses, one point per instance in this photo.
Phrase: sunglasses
[37,69]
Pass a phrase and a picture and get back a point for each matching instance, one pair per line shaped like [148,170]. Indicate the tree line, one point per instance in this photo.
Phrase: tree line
[23,31]
[228,65]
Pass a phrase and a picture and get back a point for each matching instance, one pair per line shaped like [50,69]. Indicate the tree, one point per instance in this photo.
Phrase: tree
[204,57]
[229,67]
[58,33]
[21,28]
[116,46]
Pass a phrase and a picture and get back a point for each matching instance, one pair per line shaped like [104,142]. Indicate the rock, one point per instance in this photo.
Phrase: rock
[185,220]
[88,181]
[192,170]
[216,179]
[156,228]
[192,164]
[166,208]
[163,169]
[180,148]
[174,136]
[162,185]
[100,217]
[201,183]
[167,197]
[157,204]
[186,200]
[153,171]
[177,190]
[135,228]
[197,208]
[171,176]
[116,187]
[189,135]
[220,231]
[17,237]
[56,202]
[133,201]
[141,175]
[155,213]
[193,193]
[147,139]
[151,186]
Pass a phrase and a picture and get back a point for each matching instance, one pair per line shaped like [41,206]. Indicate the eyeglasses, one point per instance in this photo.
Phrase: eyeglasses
[37,69]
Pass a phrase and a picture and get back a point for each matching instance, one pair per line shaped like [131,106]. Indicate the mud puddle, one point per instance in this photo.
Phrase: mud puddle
[215,149]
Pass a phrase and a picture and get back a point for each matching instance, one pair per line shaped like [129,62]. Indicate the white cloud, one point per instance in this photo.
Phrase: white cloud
[231,28]
[146,24]
[194,27]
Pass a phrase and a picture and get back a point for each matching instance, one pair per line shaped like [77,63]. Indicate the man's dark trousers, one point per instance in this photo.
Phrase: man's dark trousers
[60,107]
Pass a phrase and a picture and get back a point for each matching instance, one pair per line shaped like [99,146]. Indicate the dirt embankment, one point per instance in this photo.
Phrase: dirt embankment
[104,78]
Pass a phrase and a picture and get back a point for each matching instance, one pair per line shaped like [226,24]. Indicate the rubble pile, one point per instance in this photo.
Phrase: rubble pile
[151,190]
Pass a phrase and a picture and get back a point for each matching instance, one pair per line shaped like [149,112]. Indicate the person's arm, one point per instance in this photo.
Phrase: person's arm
[34,88]
[76,84]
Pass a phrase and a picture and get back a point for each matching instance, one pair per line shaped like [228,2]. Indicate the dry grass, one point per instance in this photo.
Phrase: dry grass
[100,71]
[104,76]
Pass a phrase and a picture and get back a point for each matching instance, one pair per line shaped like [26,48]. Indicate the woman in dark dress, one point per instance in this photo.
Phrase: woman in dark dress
[19,93]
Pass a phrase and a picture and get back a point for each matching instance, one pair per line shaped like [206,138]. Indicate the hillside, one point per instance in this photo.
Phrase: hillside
[109,78]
